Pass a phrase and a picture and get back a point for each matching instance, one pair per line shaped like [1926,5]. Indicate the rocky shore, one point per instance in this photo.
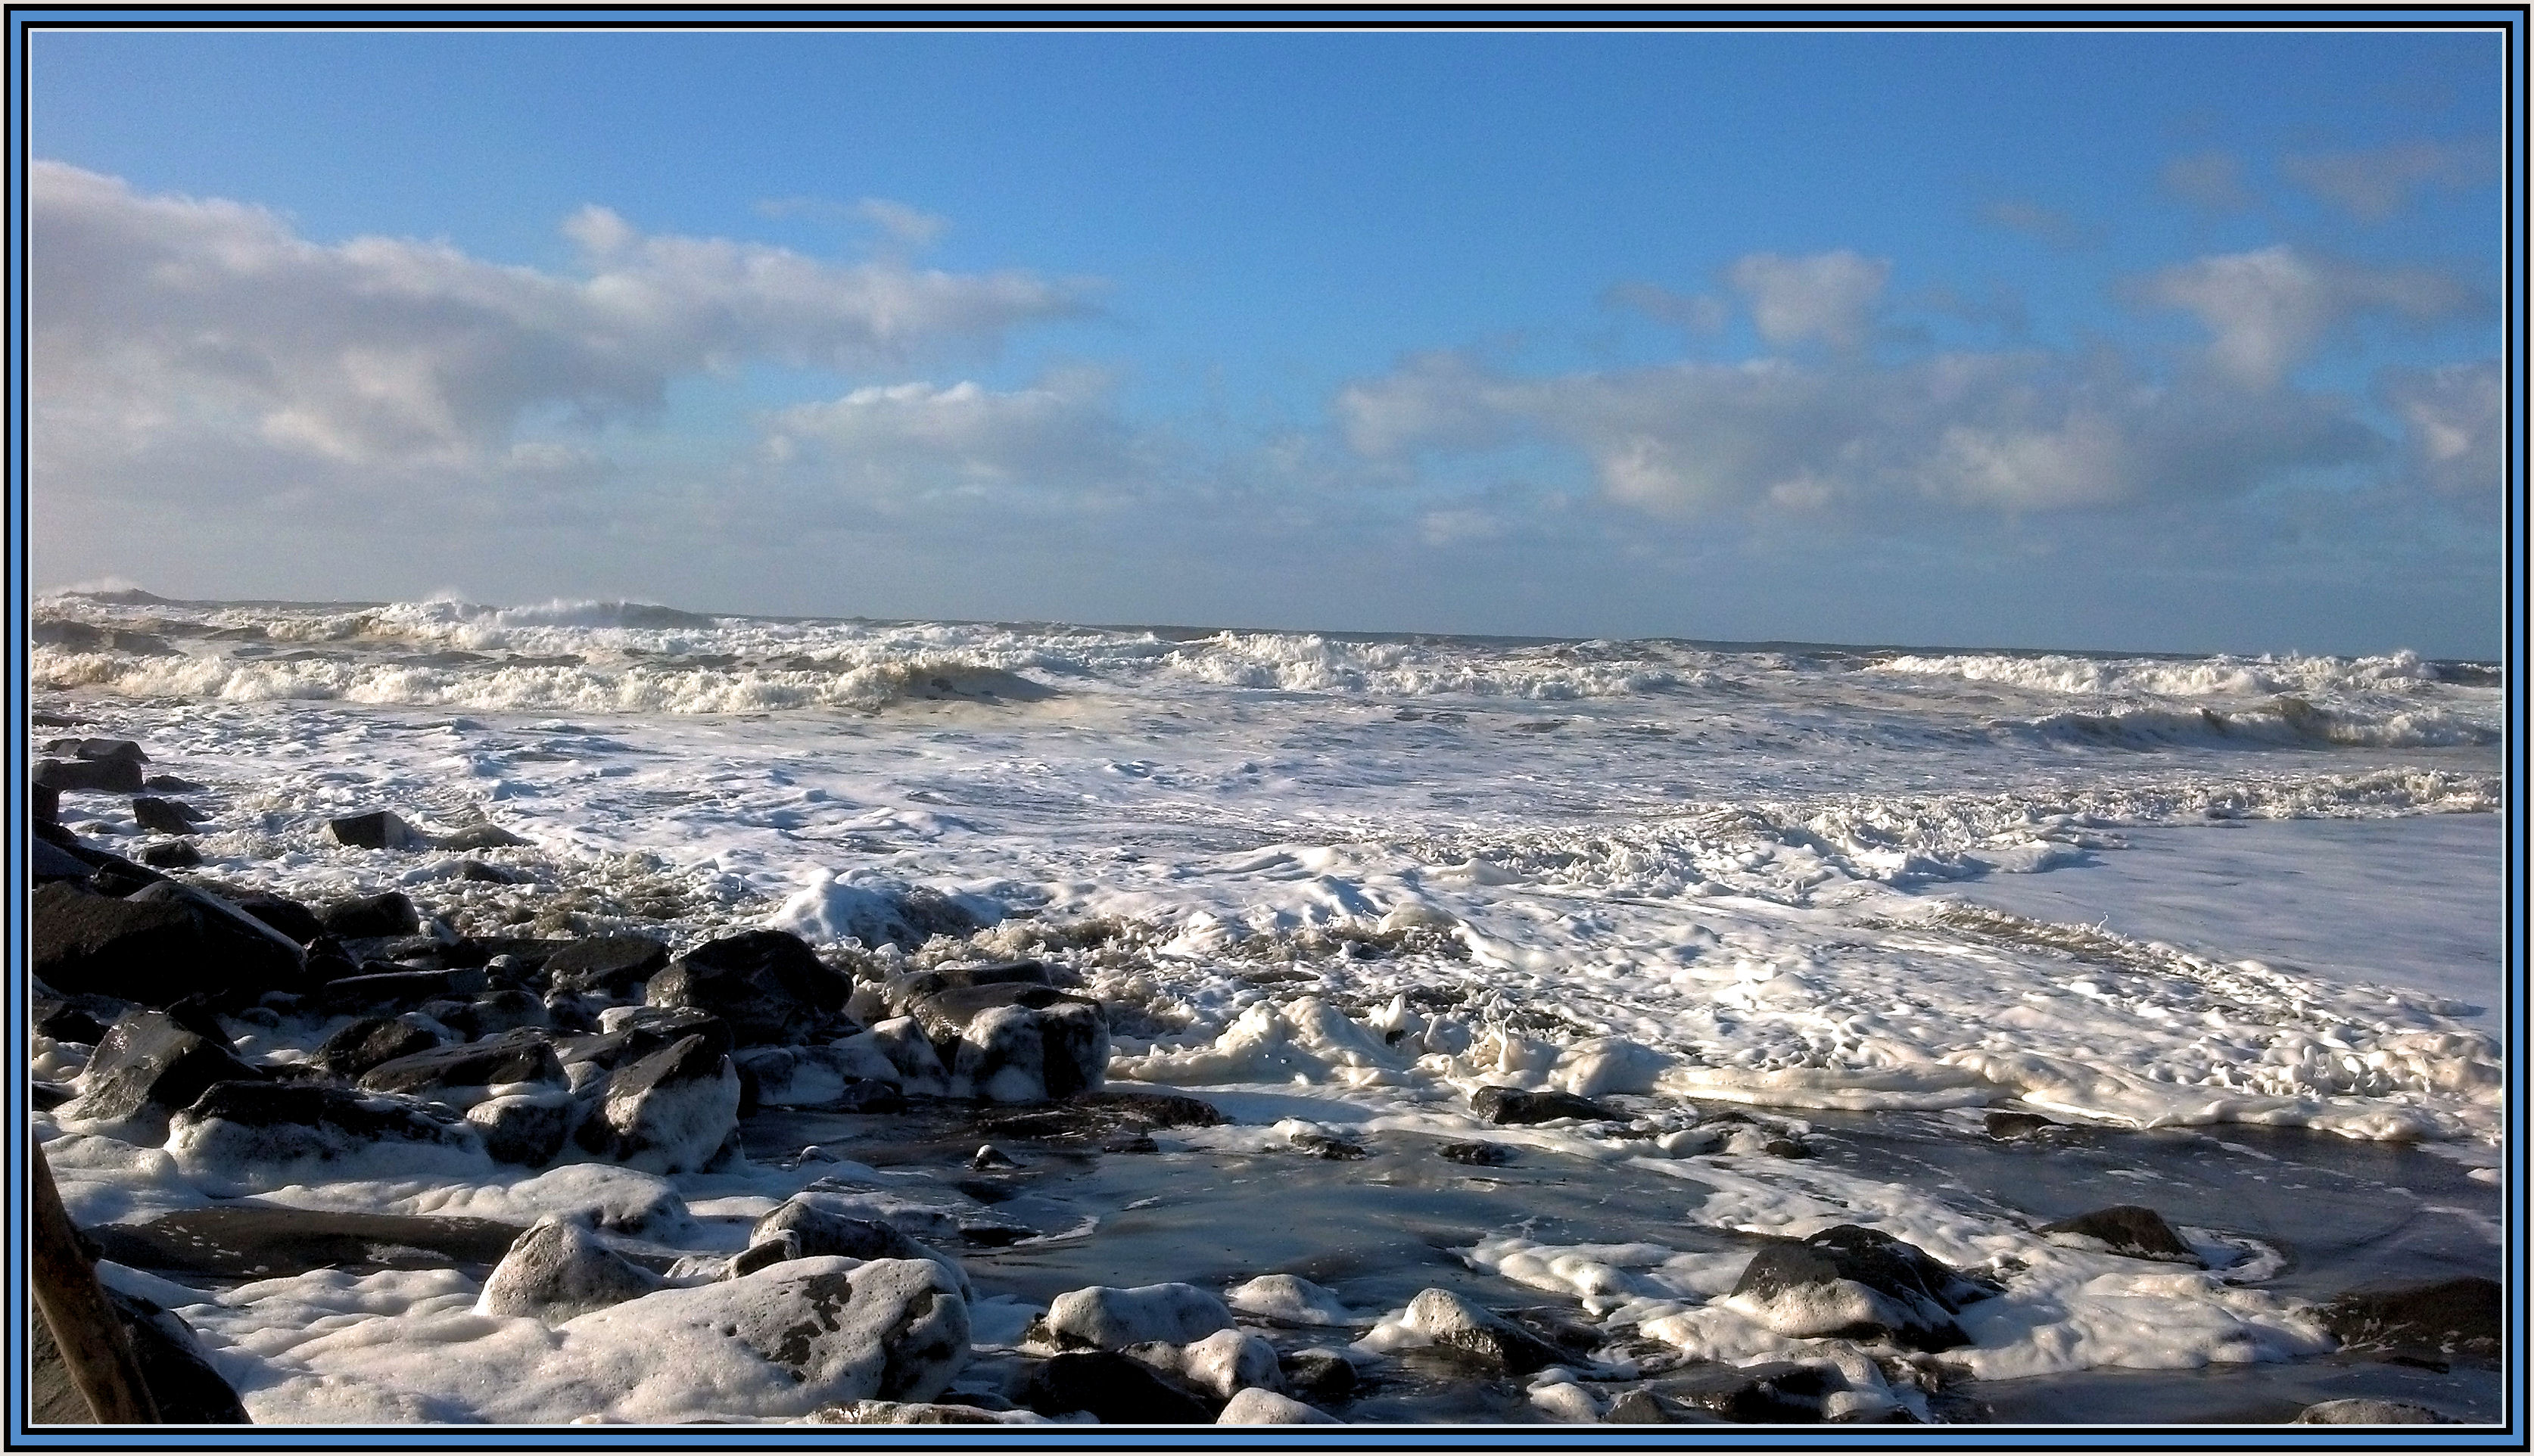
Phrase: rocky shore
[258,1045]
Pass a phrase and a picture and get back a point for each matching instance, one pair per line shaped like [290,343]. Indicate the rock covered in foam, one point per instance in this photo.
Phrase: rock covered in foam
[1261,1407]
[1107,1318]
[836,1332]
[1291,1298]
[1857,1282]
[1228,1361]
[670,1112]
[2371,1413]
[765,984]
[528,1128]
[1455,1323]
[269,1134]
[151,1063]
[558,1271]
[878,912]
[820,1232]
[1016,1042]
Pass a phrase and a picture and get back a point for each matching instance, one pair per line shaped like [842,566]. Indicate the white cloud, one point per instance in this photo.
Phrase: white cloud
[2372,184]
[2014,431]
[1827,296]
[155,318]
[893,445]
[911,226]
[2269,311]
[2456,425]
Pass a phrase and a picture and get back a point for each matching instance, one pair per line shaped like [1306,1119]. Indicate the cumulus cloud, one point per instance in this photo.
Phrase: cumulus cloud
[2454,423]
[156,317]
[1825,296]
[2018,432]
[2213,181]
[2269,311]
[893,445]
[2372,184]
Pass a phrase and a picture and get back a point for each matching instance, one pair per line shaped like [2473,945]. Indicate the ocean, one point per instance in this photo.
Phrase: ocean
[2216,917]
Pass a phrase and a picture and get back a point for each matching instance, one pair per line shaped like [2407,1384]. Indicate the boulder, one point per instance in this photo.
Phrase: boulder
[1228,1361]
[296,922]
[636,1032]
[160,816]
[905,989]
[260,1125]
[1258,1407]
[360,1045]
[379,828]
[99,750]
[162,943]
[494,1014]
[1477,1154]
[182,1383]
[824,1232]
[669,1112]
[2131,1230]
[1115,1389]
[1491,1340]
[151,1063]
[1773,1392]
[528,1128]
[399,990]
[559,1271]
[767,985]
[1104,1319]
[170,854]
[1636,1408]
[1513,1104]
[1854,1282]
[481,836]
[2447,1317]
[519,1056]
[368,916]
[1290,1299]
[1320,1375]
[1016,1042]
[90,775]
[2017,1124]
[44,804]
[2371,1413]
[833,1332]
[613,964]
[47,861]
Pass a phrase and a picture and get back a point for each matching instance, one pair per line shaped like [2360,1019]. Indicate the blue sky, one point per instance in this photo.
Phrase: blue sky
[2179,341]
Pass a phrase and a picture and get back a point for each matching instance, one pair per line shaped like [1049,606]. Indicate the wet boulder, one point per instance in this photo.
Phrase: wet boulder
[1106,1318]
[916,1413]
[1016,1042]
[528,1128]
[481,836]
[766,985]
[160,816]
[1854,1282]
[494,1014]
[1476,1154]
[519,1056]
[366,917]
[1490,1339]
[380,828]
[180,1378]
[2004,1126]
[162,943]
[170,854]
[1512,1105]
[1112,1388]
[612,964]
[902,990]
[1260,1407]
[90,775]
[670,1112]
[633,1033]
[297,923]
[558,1271]
[1321,1375]
[2448,1317]
[47,862]
[820,1232]
[149,1064]
[259,1128]
[1228,1361]
[2371,1413]
[2133,1230]
[393,991]
[1771,1392]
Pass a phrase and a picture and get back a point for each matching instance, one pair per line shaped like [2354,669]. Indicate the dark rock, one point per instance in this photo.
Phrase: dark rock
[2017,1124]
[903,991]
[2371,1413]
[519,1056]
[396,991]
[160,816]
[494,1014]
[766,985]
[387,913]
[44,802]
[182,1384]
[162,943]
[75,1019]
[1116,1389]
[171,854]
[296,922]
[820,1232]
[195,1014]
[1120,1117]
[1016,1042]
[262,1124]
[1457,1325]
[90,775]
[2452,1316]
[43,1097]
[97,749]
[670,1112]
[1322,1145]
[528,1130]
[239,1240]
[476,872]
[2128,1229]
[168,783]
[1130,1142]
[1319,1376]
[1776,1392]
[148,1060]
[1514,1106]
[1477,1154]
[47,862]
[380,828]
[557,1271]
[481,836]
[614,965]
[1856,1281]
[1636,1408]
[645,1031]
[361,1045]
